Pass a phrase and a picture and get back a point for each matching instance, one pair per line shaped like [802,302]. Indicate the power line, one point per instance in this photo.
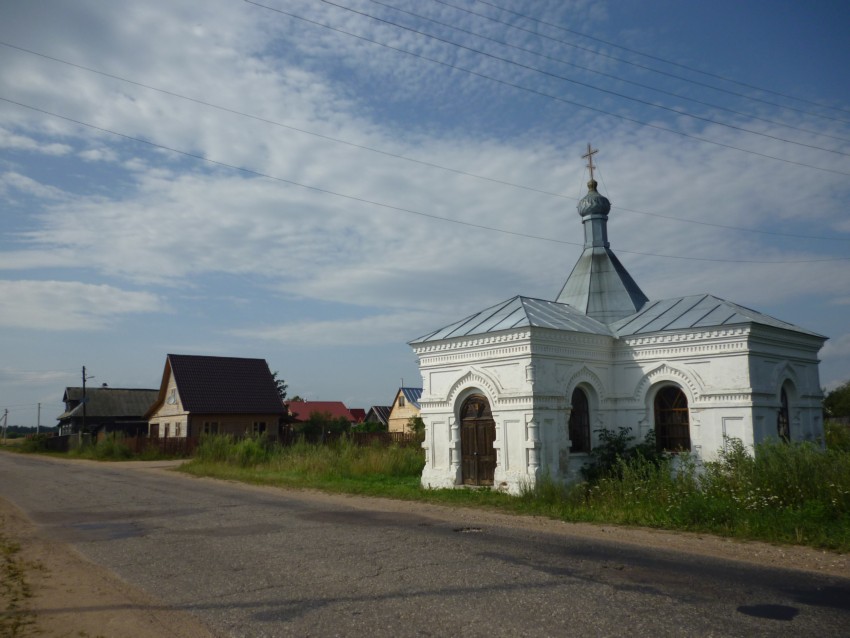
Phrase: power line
[548,95]
[400,209]
[649,68]
[586,85]
[625,80]
[404,157]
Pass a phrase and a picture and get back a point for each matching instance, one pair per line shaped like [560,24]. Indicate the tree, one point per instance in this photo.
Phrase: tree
[416,425]
[837,403]
[321,423]
[281,386]
[369,426]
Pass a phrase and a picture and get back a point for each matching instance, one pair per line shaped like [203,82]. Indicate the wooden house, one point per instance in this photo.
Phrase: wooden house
[215,395]
[105,410]
[405,406]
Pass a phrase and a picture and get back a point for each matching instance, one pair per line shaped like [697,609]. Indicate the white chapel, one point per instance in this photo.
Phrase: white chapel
[519,389]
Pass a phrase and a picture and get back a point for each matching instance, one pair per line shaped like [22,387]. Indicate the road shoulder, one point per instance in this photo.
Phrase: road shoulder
[73,597]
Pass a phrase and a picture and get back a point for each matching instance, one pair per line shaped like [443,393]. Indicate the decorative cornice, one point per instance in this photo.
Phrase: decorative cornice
[675,337]
[475,341]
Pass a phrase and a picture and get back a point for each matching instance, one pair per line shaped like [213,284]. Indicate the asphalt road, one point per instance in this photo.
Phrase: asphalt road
[259,562]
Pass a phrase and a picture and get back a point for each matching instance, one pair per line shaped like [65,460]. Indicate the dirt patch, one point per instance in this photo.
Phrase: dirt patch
[66,595]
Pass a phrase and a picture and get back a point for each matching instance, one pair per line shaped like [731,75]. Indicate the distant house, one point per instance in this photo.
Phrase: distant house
[215,395]
[359,414]
[300,411]
[378,414]
[106,410]
[404,407]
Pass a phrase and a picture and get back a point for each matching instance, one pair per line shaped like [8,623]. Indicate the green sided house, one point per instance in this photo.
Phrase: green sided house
[215,395]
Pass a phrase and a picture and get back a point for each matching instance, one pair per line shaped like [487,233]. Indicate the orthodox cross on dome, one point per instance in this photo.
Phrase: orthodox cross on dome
[589,155]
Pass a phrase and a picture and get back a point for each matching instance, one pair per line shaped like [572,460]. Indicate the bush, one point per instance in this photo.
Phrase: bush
[35,443]
[607,457]
[837,436]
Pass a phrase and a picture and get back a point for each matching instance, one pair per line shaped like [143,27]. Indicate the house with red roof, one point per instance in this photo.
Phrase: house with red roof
[300,411]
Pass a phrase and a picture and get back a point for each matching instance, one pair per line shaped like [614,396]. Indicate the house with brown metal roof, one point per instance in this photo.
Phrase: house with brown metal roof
[215,395]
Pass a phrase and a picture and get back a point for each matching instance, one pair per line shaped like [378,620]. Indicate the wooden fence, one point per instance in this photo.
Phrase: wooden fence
[184,447]
[176,446]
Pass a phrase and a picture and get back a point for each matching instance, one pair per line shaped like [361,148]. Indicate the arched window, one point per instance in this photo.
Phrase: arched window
[579,422]
[783,422]
[672,425]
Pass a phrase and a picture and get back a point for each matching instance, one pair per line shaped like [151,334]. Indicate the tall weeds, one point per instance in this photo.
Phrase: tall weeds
[794,493]
[339,460]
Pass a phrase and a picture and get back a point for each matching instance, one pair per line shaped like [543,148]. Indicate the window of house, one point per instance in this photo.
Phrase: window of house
[165,429]
[210,427]
[401,402]
[259,427]
[783,422]
[177,429]
[580,422]
[672,423]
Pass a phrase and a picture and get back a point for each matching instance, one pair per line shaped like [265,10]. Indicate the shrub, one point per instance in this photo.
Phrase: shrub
[613,448]
[35,443]
[837,436]
[112,447]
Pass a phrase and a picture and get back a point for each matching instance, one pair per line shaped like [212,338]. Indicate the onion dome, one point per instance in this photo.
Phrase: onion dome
[593,203]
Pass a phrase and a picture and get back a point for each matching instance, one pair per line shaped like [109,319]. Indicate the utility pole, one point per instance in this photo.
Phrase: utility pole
[83,428]
[5,422]
[38,420]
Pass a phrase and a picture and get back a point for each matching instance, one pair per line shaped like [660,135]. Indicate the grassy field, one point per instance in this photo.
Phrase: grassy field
[797,494]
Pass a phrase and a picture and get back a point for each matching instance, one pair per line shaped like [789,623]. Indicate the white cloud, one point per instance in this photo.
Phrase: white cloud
[381,329]
[20,142]
[102,154]
[836,347]
[12,376]
[13,181]
[62,305]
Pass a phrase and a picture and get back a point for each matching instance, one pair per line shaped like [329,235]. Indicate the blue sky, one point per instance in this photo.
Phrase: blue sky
[317,183]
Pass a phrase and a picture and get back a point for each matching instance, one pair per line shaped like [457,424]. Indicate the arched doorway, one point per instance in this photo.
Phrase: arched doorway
[783,420]
[477,434]
[579,422]
[672,424]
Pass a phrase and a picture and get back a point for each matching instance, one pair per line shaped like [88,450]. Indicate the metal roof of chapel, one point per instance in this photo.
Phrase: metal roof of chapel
[695,312]
[679,313]
[519,312]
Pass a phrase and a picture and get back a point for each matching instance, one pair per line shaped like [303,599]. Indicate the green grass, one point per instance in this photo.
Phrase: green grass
[339,467]
[796,494]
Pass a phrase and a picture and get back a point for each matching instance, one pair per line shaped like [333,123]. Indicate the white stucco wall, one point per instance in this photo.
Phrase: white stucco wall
[730,376]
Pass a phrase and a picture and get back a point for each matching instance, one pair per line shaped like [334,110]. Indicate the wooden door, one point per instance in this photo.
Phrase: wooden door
[478,432]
